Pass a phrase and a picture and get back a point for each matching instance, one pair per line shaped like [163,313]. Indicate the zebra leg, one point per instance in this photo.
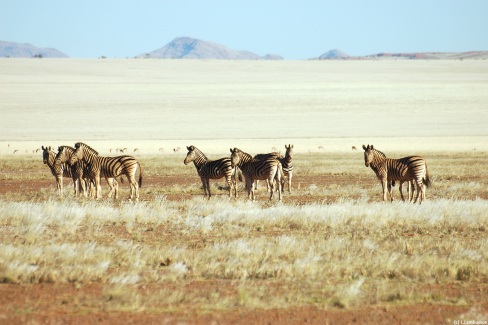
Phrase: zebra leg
[279,185]
[249,189]
[419,190]
[271,185]
[59,185]
[384,185]
[401,190]
[82,185]
[98,187]
[134,190]
[207,182]
[289,183]
[390,192]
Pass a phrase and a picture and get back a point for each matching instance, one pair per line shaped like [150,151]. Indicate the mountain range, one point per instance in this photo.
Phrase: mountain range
[192,48]
[25,50]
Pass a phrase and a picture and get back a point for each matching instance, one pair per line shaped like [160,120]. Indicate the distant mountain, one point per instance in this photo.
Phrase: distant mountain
[334,54]
[191,48]
[24,50]
[473,55]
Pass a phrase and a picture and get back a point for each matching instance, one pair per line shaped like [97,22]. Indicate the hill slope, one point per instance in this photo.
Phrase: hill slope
[25,50]
[191,48]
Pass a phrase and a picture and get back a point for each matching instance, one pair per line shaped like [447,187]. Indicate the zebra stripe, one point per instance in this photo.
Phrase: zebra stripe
[388,170]
[109,167]
[269,169]
[58,171]
[211,169]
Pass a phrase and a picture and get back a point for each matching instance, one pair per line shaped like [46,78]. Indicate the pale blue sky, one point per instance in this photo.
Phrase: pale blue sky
[300,29]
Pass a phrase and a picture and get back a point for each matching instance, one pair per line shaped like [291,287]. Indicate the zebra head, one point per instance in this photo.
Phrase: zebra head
[235,157]
[190,156]
[46,154]
[289,151]
[372,156]
[76,155]
[63,155]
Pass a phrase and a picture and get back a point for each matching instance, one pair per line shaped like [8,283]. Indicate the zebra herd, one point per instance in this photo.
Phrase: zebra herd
[83,164]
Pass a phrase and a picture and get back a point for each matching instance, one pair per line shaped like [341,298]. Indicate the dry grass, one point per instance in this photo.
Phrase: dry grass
[343,249]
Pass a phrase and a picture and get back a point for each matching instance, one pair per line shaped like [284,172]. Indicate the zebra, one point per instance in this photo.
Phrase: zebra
[262,156]
[388,170]
[110,167]
[211,169]
[81,172]
[286,163]
[58,171]
[269,169]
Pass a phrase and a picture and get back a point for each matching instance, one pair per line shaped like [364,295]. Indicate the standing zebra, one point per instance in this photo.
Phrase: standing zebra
[110,167]
[81,171]
[269,169]
[287,164]
[264,156]
[388,170]
[48,158]
[211,169]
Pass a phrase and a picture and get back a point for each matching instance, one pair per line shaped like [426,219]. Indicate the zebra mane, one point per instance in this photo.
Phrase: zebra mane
[243,154]
[198,152]
[85,146]
[66,147]
[376,151]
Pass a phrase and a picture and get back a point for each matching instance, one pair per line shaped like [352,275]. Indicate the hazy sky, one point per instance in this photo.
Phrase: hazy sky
[300,29]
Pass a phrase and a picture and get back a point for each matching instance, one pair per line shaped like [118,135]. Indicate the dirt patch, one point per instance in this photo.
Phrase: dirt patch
[91,303]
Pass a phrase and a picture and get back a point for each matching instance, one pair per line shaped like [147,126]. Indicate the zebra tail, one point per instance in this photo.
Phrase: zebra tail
[427,181]
[140,175]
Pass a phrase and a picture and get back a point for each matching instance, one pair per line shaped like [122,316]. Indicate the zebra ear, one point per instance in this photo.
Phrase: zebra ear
[188,148]
[365,148]
[43,148]
[49,148]
[371,147]
[77,145]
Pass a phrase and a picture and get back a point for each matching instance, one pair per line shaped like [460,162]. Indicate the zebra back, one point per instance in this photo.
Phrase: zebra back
[252,168]
[108,167]
[211,169]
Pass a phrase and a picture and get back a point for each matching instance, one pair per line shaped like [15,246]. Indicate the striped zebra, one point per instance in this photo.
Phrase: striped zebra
[48,158]
[388,170]
[287,163]
[109,167]
[263,156]
[269,169]
[81,172]
[211,169]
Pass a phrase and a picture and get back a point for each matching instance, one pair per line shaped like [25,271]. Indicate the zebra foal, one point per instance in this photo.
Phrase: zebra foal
[109,167]
[269,169]
[388,170]
[211,169]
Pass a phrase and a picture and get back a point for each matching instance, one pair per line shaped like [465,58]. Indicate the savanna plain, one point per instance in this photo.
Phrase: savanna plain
[330,252]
